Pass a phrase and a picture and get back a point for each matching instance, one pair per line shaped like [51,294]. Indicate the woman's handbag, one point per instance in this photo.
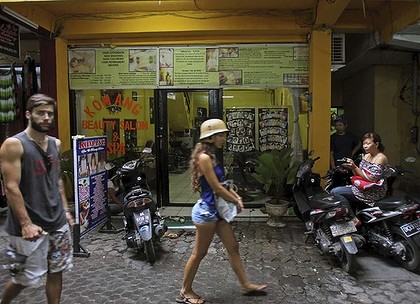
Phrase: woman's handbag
[226,210]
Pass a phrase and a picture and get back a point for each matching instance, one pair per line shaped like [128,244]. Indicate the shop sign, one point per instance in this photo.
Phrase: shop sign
[190,67]
[9,39]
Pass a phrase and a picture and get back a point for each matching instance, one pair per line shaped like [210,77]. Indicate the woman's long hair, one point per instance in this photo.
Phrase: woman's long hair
[201,147]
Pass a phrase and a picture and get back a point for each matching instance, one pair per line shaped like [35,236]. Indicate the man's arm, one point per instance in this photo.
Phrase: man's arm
[10,155]
[69,215]
[332,160]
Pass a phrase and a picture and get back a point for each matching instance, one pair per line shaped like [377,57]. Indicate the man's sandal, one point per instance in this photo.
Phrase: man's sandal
[186,300]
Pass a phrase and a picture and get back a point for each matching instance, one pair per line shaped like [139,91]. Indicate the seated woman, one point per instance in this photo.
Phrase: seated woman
[369,181]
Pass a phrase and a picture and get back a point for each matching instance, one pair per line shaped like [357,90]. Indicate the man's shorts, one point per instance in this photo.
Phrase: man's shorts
[50,253]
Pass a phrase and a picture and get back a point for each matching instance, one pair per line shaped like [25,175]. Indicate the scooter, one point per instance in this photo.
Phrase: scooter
[326,217]
[392,226]
[142,221]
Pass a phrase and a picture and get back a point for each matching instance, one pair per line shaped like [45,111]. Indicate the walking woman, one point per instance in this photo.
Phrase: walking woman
[207,175]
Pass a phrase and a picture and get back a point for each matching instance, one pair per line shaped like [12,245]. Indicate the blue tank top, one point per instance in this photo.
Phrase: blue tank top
[207,194]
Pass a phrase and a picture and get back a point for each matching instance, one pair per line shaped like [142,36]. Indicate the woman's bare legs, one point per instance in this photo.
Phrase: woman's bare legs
[225,233]
[203,237]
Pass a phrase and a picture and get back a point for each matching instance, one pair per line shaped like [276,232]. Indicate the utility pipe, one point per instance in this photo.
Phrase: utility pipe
[415,84]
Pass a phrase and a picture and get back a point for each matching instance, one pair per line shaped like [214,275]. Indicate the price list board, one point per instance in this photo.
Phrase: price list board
[241,125]
[272,128]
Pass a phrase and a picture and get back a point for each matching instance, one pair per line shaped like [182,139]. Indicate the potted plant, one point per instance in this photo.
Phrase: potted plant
[275,171]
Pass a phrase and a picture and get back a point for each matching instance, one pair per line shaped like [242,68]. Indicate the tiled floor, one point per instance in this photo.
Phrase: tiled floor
[181,193]
[248,214]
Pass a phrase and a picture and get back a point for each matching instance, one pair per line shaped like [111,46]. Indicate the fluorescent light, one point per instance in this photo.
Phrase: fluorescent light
[228,97]
[12,14]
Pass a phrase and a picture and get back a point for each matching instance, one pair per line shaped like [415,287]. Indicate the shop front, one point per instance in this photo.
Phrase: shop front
[158,97]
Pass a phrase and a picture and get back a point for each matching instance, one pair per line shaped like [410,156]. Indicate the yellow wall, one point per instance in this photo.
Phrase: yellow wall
[320,88]
[393,121]
[63,94]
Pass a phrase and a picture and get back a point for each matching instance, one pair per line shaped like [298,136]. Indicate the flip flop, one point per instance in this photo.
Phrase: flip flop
[172,235]
[183,299]
[180,219]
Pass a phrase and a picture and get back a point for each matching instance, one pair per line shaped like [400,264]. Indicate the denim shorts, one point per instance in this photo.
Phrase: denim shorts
[52,252]
[203,213]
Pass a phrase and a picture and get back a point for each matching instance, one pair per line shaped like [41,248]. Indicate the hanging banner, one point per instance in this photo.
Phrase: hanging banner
[9,39]
[190,67]
[264,65]
[272,128]
[241,125]
[91,181]
[112,68]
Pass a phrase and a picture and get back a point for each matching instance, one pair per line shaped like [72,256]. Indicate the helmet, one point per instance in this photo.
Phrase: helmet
[211,127]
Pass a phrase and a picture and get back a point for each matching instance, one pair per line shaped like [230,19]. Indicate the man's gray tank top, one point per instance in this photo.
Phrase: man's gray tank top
[39,187]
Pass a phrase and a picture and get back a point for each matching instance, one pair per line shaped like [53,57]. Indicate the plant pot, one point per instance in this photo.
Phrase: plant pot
[275,211]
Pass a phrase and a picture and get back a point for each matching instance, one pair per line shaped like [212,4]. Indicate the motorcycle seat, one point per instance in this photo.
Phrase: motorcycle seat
[324,201]
[390,203]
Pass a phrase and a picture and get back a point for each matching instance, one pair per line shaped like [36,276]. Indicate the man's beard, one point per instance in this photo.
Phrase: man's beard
[43,129]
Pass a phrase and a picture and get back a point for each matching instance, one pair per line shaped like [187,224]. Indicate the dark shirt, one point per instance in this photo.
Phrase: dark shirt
[342,145]
[39,187]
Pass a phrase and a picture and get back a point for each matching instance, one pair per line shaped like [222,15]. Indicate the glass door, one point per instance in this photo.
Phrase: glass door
[180,114]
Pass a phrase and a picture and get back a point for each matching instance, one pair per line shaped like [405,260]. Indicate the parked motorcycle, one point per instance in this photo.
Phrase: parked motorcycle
[326,217]
[142,221]
[392,227]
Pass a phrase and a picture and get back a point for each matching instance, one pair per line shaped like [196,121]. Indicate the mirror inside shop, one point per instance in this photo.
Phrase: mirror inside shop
[259,120]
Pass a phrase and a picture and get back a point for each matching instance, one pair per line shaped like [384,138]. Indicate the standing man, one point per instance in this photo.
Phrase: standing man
[38,221]
[343,143]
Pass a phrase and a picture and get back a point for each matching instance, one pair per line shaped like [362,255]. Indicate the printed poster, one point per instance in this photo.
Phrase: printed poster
[91,182]
[272,128]
[241,125]
[9,39]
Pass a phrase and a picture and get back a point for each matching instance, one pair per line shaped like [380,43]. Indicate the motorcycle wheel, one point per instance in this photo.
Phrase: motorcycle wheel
[150,251]
[347,260]
[412,253]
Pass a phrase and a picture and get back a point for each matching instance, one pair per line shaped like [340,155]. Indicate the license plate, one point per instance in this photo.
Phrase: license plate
[342,228]
[411,229]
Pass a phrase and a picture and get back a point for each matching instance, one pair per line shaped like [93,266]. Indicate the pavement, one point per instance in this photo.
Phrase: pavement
[295,271]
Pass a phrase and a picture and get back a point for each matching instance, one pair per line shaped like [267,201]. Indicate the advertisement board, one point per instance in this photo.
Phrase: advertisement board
[189,66]
[91,191]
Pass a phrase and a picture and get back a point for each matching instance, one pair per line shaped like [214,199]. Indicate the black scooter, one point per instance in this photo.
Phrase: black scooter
[142,221]
[326,217]
[392,226]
